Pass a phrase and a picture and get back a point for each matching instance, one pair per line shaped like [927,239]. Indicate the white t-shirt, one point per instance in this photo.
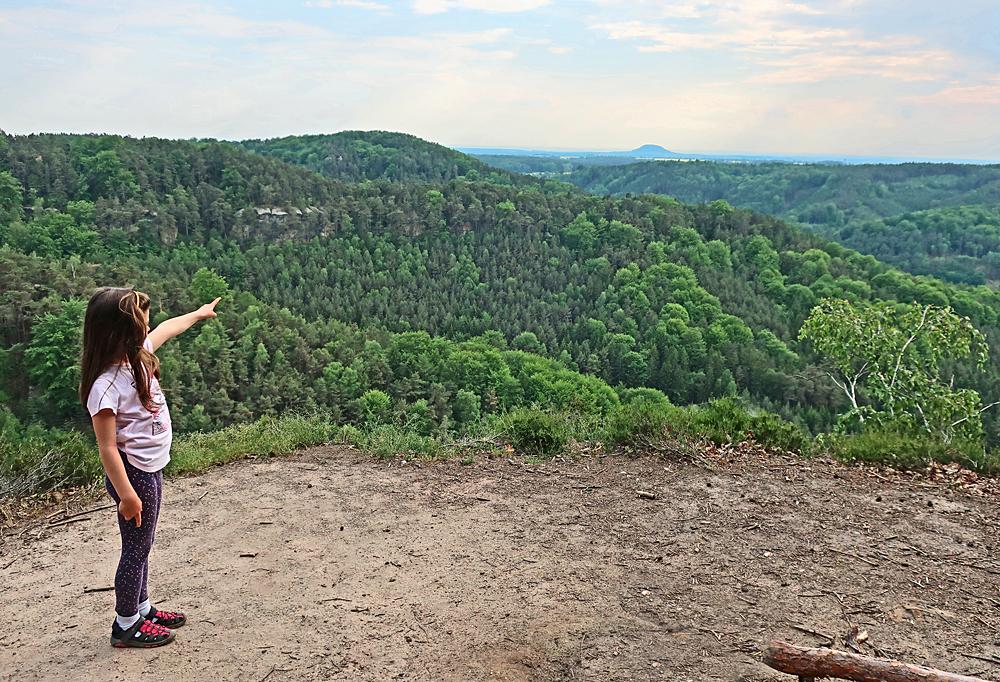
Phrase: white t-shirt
[143,436]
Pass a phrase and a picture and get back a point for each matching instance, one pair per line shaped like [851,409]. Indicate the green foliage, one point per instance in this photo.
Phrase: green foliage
[535,432]
[726,420]
[207,285]
[11,196]
[330,280]
[264,437]
[34,459]
[892,355]
[104,174]
[376,155]
[375,407]
[639,421]
[390,440]
[908,451]
[53,360]
[466,407]
[580,234]
[528,342]
[935,219]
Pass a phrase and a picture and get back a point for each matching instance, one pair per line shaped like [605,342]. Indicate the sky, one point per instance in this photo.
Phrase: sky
[905,78]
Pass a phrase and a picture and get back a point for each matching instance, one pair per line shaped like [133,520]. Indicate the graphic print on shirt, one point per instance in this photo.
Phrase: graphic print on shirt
[160,421]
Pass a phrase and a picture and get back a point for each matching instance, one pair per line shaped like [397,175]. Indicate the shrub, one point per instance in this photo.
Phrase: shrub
[907,451]
[375,407]
[419,418]
[726,420]
[638,421]
[535,432]
[643,395]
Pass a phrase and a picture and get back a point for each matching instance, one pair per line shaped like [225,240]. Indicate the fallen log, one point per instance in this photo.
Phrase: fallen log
[816,663]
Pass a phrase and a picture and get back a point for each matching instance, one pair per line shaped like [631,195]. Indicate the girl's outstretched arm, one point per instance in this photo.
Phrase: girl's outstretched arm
[130,506]
[168,329]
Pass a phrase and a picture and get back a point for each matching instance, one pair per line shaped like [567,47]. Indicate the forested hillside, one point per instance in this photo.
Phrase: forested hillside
[429,302]
[889,211]
[378,155]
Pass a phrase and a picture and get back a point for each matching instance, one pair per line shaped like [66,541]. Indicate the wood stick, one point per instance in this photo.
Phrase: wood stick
[98,589]
[812,632]
[67,521]
[91,511]
[808,663]
[994,661]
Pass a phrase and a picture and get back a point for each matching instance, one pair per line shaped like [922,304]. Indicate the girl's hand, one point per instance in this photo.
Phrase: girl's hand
[131,508]
[207,311]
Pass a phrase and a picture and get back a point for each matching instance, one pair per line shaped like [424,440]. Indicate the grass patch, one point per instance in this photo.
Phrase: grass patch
[34,459]
[389,440]
[907,451]
[266,436]
[41,460]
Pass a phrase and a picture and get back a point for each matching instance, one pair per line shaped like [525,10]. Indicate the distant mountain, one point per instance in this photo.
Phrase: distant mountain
[650,151]
[646,151]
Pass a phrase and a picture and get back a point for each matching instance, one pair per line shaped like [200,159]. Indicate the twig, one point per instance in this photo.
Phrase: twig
[91,511]
[811,632]
[854,556]
[334,599]
[88,590]
[67,521]
[993,660]
[9,564]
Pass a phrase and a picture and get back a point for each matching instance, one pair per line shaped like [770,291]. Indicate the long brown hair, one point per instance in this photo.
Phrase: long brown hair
[114,330]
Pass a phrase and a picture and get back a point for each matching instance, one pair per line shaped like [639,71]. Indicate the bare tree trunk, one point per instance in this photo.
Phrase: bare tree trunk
[815,663]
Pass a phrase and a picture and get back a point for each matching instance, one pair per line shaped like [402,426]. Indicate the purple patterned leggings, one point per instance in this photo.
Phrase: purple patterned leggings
[133,567]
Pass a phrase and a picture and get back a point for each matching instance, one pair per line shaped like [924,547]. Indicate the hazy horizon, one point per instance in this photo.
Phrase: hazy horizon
[833,78]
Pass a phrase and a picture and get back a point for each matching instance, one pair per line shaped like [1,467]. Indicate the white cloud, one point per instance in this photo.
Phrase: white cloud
[209,70]
[981,94]
[495,6]
[784,42]
[359,4]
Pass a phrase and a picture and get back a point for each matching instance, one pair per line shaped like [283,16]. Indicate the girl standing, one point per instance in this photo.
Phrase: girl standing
[121,390]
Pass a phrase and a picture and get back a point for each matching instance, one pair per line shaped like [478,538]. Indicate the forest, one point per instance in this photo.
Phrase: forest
[375,278]
[932,219]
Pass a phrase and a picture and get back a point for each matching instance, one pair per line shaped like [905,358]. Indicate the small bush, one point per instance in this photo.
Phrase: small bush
[535,432]
[727,421]
[375,407]
[907,451]
[388,440]
[638,421]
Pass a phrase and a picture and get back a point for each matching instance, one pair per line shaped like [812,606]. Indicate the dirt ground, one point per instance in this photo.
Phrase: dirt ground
[332,565]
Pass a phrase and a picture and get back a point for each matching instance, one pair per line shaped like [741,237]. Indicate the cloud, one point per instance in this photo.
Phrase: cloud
[982,94]
[784,42]
[494,6]
[689,74]
[359,4]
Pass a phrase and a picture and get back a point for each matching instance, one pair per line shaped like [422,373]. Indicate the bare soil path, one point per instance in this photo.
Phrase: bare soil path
[332,565]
